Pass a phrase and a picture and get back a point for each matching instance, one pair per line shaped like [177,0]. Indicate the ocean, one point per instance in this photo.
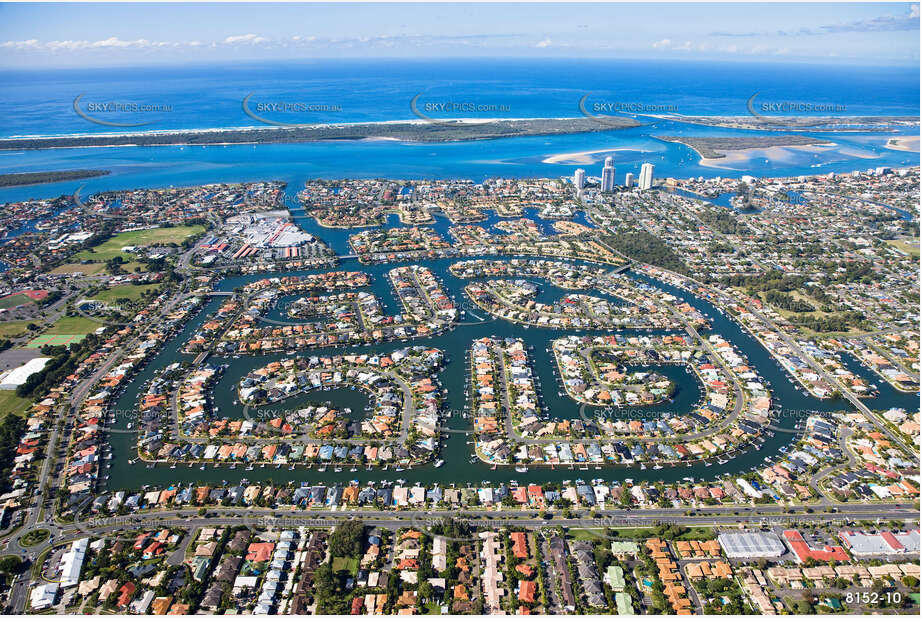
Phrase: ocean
[40,102]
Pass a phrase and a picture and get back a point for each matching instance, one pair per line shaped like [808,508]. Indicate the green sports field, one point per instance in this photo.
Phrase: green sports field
[67,330]
[140,238]
[131,292]
[14,300]
[55,340]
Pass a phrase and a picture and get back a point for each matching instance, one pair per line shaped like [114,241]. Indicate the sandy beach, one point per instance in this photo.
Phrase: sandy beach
[583,158]
[264,127]
[784,154]
[909,143]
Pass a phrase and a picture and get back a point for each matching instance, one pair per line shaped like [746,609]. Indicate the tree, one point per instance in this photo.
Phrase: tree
[426,591]
[10,564]
[347,539]
[802,607]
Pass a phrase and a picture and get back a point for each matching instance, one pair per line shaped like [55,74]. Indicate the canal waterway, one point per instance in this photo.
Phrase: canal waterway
[457,449]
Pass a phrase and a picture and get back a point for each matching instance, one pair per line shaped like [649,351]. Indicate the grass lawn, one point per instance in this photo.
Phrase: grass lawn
[11,404]
[86,269]
[14,328]
[34,537]
[698,533]
[585,534]
[131,292]
[911,248]
[14,300]
[73,325]
[704,533]
[140,238]
[130,267]
[792,315]
[345,564]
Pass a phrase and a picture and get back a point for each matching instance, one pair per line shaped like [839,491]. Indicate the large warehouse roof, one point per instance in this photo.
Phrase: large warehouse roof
[751,545]
[861,543]
[19,375]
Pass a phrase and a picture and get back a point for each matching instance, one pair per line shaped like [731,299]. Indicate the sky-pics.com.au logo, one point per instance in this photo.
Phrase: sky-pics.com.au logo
[604,111]
[287,113]
[772,112]
[289,308]
[122,113]
[454,111]
[129,528]
[783,420]
[116,312]
[622,528]
[90,209]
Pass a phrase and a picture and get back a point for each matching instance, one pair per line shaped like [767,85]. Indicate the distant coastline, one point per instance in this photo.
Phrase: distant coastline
[40,178]
[406,130]
[837,124]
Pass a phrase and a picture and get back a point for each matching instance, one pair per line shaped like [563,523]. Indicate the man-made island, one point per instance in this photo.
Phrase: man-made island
[410,130]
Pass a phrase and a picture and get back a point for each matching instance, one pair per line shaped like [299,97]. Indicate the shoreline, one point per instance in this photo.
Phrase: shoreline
[460,120]
[261,127]
[414,130]
[583,157]
[726,153]
[744,155]
[822,124]
[907,143]
[720,147]
[30,179]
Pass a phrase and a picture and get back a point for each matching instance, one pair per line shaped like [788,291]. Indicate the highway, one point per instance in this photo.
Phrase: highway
[730,516]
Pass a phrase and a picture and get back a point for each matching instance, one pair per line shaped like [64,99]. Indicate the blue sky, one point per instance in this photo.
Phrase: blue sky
[33,35]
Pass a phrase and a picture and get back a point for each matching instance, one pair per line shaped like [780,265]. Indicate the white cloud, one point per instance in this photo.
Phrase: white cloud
[709,47]
[251,39]
[544,43]
[30,44]
[881,23]
[115,43]
[82,45]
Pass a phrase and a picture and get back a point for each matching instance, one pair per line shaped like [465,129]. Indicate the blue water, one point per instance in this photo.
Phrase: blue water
[40,103]
[207,96]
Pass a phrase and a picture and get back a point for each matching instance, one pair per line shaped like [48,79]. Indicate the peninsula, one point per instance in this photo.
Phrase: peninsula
[409,130]
[716,147]
[803,123]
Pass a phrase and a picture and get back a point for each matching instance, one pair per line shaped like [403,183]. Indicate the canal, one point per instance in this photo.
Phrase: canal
[457,448]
